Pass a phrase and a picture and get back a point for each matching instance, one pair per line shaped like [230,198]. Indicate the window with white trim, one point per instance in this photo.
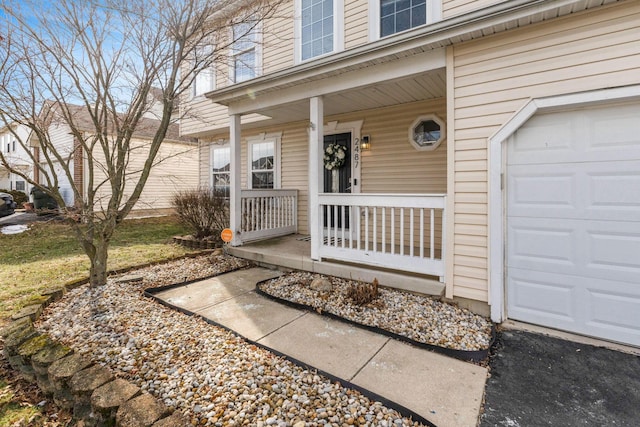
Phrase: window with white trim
[264,161]
[205,79]
[221,169]
[394,16]
[244,51]
[319,28]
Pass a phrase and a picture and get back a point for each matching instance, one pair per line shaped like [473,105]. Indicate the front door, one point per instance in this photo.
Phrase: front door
[341,178]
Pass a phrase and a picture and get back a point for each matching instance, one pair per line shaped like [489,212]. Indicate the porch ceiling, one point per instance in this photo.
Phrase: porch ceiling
[419,87]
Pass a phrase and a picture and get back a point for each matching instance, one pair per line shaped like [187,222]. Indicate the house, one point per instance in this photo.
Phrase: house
[175,168]
[17,157]
[493,146]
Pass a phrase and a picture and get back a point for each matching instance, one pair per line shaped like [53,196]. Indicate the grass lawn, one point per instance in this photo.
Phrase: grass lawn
[48,255]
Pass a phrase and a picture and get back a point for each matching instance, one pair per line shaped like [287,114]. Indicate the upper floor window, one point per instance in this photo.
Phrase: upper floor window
[400,15]
[320,27]
[394,16]
[205,80]
[245,51]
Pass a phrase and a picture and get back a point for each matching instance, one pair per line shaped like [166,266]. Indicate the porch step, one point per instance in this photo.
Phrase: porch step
[269,255]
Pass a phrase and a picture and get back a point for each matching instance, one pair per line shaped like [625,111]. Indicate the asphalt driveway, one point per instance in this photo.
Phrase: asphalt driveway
[537,380]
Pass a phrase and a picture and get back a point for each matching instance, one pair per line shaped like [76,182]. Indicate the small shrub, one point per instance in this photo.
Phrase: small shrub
[362,293]
[18,196]
[204,211]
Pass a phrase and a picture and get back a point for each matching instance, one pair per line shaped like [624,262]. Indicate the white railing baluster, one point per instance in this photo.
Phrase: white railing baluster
[421,233]
[393,231]
[411,229]
[432,230]
[375,229]
[401,231]
[344,225]
[384,230]
[366,228]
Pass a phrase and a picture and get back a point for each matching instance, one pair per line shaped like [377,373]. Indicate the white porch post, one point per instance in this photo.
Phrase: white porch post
[235,214]
[316,139]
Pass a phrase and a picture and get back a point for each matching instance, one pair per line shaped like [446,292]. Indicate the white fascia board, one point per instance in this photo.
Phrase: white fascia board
[424,62]
[432,36]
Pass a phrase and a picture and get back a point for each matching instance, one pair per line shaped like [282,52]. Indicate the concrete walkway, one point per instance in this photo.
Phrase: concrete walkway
[445,391]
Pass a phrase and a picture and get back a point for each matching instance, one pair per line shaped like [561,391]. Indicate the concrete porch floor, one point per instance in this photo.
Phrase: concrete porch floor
[445,391]
[294,252]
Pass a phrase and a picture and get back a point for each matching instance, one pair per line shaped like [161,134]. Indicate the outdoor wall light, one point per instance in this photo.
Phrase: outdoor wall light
[365,143]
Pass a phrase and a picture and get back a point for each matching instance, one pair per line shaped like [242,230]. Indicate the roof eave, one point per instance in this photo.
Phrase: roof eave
[432,36]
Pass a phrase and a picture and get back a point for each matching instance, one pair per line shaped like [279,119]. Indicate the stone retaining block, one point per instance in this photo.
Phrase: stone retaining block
[83,384]
[60,372]
[141,411]
[106,399]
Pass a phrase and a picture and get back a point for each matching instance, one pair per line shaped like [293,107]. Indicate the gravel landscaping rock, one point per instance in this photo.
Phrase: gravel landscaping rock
[205,373]
[418,317]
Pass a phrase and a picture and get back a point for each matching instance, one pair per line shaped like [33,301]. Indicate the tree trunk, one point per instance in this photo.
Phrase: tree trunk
[98,270]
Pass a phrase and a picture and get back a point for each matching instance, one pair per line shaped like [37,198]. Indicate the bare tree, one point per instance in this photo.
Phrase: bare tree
[92,66]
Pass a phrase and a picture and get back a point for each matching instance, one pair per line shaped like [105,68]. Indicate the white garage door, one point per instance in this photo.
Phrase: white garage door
[573,222]
[66,191]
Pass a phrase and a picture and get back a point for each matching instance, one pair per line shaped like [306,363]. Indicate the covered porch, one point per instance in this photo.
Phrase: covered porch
[386,222]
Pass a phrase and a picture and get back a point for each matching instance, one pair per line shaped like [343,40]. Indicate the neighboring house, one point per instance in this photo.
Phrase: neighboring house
[175,169]
[497,142]
[17,157]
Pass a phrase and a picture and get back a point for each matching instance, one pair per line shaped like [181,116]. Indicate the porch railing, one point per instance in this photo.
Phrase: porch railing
[395,231]
[268,213]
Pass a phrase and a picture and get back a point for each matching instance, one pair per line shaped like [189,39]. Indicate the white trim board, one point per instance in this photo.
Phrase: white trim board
[497,298]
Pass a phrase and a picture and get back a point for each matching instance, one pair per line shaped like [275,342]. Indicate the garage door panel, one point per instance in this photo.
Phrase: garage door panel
[548,134]
[625,315]
[612,311]
[541,296]
[539,245]
[613,250]
[535,191]
[611,131]
[613,191]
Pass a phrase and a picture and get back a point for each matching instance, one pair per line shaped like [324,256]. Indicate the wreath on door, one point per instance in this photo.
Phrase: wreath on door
[334,156]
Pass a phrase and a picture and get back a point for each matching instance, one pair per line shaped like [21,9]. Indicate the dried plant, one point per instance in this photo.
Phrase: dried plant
[363,293]
[205,211]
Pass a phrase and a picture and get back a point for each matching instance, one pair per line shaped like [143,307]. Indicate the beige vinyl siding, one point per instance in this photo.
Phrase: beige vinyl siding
[175,169]
[356,22]
[497,75]
[457,7]
[393,165]
[278,42]
[204,164]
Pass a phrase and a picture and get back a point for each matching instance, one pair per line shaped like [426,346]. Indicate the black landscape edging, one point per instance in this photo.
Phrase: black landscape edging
[404,411]
[475,356]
